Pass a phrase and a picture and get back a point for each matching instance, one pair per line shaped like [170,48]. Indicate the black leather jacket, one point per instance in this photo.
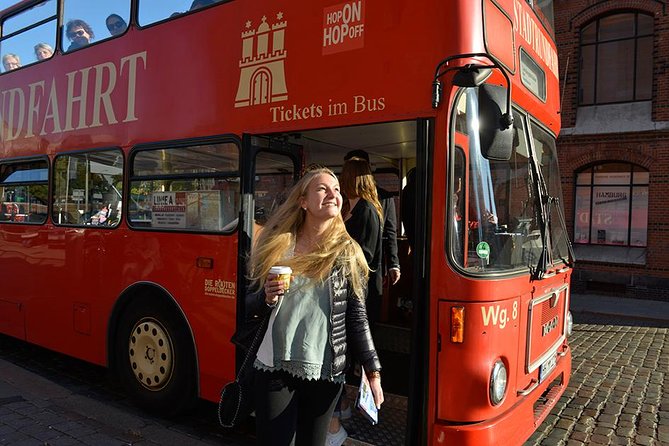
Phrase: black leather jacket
[350,327]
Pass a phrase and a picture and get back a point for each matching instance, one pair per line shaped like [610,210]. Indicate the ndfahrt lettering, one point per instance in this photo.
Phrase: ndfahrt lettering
[48,107]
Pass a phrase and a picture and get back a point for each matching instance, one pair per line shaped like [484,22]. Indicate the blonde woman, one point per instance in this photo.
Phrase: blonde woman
[317,322]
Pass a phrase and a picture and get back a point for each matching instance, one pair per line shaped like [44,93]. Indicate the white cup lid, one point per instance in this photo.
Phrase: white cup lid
[280,270]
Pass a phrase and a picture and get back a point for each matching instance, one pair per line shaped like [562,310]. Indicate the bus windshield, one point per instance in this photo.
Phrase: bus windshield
[495,208]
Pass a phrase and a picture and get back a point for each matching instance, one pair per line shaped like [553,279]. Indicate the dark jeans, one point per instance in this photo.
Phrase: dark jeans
[292,411]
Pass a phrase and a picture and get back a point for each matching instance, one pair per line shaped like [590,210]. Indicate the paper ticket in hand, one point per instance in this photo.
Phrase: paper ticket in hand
[365,402]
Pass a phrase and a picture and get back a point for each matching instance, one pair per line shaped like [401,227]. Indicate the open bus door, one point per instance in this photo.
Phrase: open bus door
[273,164]
[270,167]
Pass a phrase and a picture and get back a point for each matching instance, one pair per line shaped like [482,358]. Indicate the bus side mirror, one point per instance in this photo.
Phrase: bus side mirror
[471,76]
[495,126]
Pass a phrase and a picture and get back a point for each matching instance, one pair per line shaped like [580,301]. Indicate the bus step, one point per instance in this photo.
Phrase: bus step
[353,442]
[392,338]
[392,422]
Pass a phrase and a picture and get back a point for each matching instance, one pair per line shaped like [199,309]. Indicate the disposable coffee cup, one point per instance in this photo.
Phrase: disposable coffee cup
[283,273]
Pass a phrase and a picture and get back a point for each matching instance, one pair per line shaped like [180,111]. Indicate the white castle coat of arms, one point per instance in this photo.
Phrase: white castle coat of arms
[262,78]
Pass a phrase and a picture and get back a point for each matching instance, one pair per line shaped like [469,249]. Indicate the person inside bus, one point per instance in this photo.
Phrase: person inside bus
[363,216]
[10,210]
[43,51]
[80,34]
[391,259]
[297,383]
[11,61]
[115,25]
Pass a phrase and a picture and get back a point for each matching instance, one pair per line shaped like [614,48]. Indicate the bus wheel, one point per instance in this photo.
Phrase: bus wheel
[155,358]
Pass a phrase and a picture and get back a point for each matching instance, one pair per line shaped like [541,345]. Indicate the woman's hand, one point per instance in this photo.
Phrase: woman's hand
[273,290]
[394,275]
[377,391]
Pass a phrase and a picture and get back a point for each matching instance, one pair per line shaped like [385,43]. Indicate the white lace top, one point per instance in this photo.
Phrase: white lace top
[297,340]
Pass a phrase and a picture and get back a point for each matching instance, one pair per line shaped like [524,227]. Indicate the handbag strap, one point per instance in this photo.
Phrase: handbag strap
[254,347]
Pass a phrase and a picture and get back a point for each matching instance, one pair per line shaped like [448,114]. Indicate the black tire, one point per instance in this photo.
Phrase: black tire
[154,357]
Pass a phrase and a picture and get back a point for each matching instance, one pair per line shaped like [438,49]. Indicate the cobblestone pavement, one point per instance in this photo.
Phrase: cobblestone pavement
[615,396]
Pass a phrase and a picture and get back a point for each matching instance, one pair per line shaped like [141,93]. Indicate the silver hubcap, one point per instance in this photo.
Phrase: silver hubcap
[151,354]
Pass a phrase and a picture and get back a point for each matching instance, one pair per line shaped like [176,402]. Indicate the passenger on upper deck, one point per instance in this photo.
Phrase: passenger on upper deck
[80,34]
[43,51]
[11,61]
[115,24]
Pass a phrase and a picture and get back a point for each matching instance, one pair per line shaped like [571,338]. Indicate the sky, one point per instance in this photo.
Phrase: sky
[94,12]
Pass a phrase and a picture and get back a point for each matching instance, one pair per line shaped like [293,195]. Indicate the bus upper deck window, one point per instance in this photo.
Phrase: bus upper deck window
[152,11]
[84,25]
[23,41]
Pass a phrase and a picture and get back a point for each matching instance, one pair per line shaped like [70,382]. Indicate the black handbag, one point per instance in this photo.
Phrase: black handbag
[237,397]
[246,334]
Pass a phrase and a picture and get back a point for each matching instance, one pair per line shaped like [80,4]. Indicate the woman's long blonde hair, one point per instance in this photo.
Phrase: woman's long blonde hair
[336,247]
[357,181]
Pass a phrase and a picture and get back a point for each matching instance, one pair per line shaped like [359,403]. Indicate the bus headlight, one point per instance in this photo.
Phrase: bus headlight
[498,382]
[570,323]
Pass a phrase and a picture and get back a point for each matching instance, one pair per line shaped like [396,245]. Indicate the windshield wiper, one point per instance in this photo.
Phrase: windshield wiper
[570,249]
[544,258]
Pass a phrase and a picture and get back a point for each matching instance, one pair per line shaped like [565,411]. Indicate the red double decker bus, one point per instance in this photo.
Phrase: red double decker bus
[144,143]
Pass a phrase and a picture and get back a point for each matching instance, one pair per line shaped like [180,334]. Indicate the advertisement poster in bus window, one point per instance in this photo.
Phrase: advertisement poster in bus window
[168,210]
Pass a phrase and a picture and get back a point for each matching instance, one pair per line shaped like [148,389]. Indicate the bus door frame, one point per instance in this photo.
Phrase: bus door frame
[253,144]
[419,371]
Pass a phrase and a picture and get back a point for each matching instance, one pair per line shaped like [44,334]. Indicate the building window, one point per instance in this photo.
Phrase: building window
[611,206]
[616,59]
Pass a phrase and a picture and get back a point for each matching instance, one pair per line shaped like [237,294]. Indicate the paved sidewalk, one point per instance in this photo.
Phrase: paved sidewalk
[36,411]
[620,306]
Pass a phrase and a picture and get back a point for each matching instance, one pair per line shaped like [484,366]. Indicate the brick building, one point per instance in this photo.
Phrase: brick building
[614,143]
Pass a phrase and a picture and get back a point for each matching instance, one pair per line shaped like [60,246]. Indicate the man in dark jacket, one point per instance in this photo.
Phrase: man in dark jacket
[390,258]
